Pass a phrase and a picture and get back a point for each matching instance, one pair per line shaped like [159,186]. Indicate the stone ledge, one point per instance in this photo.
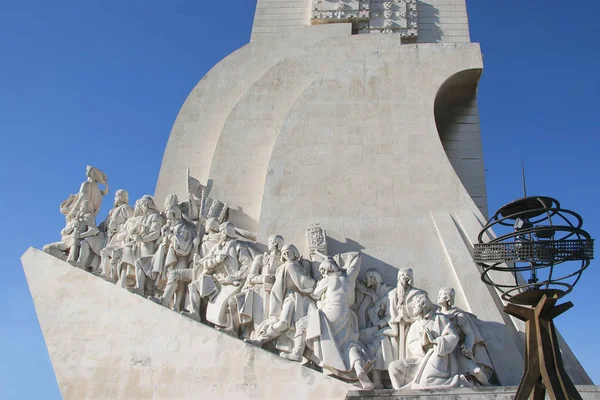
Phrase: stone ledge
[496,393]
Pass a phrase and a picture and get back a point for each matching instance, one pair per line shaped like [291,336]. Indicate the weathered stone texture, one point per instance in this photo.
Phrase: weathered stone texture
[106,343]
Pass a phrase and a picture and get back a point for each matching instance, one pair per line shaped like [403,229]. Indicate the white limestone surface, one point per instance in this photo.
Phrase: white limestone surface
[106,343]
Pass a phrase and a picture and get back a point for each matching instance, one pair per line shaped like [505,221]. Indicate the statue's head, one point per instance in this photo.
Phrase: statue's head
[147,204]
[329,267]
[173,212]
[95,175]
[121,197]
[405,277]
[373,278]
[289,252]
[227,231]
[170,200]
[137,208]
[275,242]
[211,225]
[421,305]
[446,296]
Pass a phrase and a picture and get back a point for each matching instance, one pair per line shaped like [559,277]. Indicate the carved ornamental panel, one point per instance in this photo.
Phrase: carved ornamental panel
[370,16]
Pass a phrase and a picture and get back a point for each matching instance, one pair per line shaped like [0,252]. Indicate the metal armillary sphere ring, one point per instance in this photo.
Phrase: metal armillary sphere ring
[539,261]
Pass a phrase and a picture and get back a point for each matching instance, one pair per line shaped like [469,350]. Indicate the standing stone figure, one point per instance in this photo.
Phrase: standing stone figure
[431,361]
[220,275]
[392,316]
[332,331]
[289,302]
[89,191]
[176,278]
[114,227]
[471,353]
[141,243]
[368,293]
[90,254]
[173,253]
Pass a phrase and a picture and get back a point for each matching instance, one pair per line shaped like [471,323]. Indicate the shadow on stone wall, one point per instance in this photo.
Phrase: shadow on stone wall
[428,23]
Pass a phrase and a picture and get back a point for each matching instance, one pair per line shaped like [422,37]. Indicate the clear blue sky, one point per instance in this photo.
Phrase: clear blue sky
[101,83]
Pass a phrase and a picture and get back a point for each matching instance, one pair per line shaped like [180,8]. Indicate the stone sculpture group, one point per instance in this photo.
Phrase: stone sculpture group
[197,263]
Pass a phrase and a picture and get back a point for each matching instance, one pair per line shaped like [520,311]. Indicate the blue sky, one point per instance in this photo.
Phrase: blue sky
[101,83]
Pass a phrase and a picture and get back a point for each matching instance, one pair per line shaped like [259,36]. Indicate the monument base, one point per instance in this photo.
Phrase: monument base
[587,392]
[107,343]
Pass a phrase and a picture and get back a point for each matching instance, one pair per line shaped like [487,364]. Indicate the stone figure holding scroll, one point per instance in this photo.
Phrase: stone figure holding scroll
[431,362]
[471,352]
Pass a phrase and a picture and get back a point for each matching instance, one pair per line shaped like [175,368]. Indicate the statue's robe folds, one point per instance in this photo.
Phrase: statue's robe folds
[289,300]
[148,226]
[332,333]
[390,347]
[471,337]
[225,279]
[175,254]
[253,302]
[431,366]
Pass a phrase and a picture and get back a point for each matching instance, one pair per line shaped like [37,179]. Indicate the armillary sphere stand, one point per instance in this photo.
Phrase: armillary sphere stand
[543,239]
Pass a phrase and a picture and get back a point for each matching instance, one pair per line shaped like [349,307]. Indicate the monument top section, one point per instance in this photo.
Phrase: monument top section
[428,21]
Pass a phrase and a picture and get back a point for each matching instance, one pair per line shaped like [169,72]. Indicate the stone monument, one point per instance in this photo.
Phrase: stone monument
[333,182]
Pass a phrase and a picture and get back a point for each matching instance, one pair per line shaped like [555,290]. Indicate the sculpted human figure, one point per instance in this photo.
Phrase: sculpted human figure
[252,304]
[95,240]
[368,293]
[89,191]
[289,302]
[177,277]
[431,361]
[220,275]
[114,227]
[391,316]
[332,331]
[471,352]
[211,238]
[79,225]
[141,242]
[174,253]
